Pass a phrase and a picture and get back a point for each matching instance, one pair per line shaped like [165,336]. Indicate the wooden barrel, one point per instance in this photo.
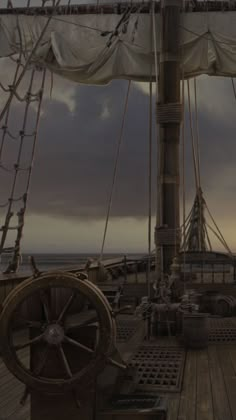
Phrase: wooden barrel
[234,306]
[195,330]
[194,297]
[225,305]
[208,301]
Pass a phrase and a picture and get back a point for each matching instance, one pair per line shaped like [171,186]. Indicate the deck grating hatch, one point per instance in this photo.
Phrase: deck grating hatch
[126,329]
[135,401]
[158,368]
[221,323]
[136,406]
[222,331]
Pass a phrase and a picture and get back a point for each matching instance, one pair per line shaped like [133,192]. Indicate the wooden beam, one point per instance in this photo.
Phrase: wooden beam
[120,7]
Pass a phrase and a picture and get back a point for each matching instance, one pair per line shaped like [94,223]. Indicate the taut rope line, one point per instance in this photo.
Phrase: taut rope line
[115,169]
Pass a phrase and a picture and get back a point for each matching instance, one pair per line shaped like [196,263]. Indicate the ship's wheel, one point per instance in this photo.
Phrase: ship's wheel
[32,321]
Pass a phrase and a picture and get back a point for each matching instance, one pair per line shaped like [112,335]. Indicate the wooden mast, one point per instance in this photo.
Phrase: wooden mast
[167,233]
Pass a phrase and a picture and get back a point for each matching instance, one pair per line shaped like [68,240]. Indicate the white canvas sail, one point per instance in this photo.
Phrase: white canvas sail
[73,45]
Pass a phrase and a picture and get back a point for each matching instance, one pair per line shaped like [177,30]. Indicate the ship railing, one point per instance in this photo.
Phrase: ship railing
[117,270]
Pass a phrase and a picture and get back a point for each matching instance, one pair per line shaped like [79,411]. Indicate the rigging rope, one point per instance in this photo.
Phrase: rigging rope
[192,138]
[218,230]
[220,239]
[115,169]
[9,214]
[197,131]
[196,159]
[232,44]
[29,98]
[5,126]
[130,10]
[183,175]
[21,213]
[207,235]
[28,61]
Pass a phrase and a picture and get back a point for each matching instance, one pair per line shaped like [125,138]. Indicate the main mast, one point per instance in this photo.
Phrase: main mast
[167,232]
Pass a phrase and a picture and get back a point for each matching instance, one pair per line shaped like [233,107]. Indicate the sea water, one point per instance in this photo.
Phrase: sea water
[46,262]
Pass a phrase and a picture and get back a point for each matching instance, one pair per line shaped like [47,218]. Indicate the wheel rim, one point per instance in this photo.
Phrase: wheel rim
[54,333]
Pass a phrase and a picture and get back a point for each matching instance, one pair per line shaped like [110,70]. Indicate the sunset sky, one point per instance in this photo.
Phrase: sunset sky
[75,157]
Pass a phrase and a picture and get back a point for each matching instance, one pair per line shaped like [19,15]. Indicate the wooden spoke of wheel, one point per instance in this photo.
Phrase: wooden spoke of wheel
[66,307]
[69,327]
[77,344]
[39,368]
[117,364]
[65,362]
[45,303]
[27,323]
[28,343]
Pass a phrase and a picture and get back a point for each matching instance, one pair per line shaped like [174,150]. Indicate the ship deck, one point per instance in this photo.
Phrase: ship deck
[209,386]
[208,391]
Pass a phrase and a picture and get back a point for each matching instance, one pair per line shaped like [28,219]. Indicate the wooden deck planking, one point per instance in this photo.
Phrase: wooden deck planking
[208,392]
[220,399]
[187,406]
[173,407]
[204,406]
[229,377]
[232,355]
[11,391]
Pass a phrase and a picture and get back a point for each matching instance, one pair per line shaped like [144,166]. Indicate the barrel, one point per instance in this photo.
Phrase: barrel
[195,330]
[225,305]
[194,297]
[208,301]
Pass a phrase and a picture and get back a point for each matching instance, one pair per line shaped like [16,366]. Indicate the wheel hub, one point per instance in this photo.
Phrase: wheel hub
[54,334]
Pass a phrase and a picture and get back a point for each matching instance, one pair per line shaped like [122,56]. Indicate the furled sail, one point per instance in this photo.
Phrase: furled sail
[96,48]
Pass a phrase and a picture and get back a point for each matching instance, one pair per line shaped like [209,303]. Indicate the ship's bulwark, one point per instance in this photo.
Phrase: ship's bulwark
[85,48]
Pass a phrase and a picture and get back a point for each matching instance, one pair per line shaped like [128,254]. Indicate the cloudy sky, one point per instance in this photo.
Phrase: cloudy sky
[76,149]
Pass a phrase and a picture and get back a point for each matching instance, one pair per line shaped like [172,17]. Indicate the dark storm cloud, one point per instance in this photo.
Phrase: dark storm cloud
[76,152]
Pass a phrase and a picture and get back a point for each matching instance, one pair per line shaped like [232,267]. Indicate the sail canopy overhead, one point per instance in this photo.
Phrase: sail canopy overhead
[96,48]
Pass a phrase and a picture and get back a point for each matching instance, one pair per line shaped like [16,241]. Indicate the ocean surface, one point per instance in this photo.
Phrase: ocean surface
[53,261]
